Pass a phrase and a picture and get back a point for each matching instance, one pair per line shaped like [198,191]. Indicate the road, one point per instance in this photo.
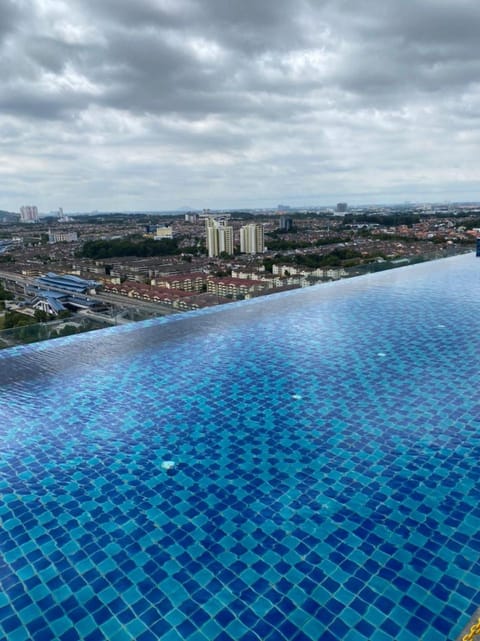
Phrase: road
[125,301]
[8,277]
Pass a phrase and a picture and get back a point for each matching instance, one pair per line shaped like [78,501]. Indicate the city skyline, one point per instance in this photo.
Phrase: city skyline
[162,106]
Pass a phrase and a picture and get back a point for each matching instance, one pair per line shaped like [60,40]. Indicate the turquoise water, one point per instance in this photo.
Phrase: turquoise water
[323,484]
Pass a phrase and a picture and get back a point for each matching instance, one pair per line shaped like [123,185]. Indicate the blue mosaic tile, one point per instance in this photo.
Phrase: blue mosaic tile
[325,448]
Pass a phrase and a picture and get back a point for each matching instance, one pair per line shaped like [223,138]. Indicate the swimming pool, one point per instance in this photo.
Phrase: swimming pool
[323,446]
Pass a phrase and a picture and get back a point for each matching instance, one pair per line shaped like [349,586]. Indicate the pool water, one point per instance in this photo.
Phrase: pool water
[302,466]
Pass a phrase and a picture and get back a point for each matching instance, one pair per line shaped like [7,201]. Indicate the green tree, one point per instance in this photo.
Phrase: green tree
[4,294]
[67,330]
[132,246]
[41,316]
[15,319]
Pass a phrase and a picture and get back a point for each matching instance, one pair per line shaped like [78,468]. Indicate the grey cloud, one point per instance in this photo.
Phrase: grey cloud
[240,31]
[23,103]
[313,95]
[50,54]
[145,64]
[437,22]
[417,46]
[10,15]
[139,14]
[254,27]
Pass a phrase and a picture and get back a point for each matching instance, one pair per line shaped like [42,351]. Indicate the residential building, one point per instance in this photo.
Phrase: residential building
[219,236]
[235,287]
[193,282]
[62,236]
[286,223]
[163,231]
[252,239]
[28,214]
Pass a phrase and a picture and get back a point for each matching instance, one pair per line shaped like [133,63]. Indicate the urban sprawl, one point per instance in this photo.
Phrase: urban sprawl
[63,274]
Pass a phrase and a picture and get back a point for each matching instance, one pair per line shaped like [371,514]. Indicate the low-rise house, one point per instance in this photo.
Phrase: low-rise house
[193,282]
[235,287]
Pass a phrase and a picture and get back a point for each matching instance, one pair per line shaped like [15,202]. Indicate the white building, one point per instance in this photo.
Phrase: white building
[252,239]
[62,236]
[219,237]
[28,214]
[163,231]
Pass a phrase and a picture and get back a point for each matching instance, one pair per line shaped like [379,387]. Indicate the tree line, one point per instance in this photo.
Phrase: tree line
[129,247]
[340,256]
[385,220]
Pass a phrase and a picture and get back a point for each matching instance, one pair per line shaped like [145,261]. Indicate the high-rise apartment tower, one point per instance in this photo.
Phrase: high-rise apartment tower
[28,214]
[252,239]
[219,236]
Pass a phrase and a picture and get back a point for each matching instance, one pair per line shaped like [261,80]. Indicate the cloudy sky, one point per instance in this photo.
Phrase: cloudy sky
[161,104]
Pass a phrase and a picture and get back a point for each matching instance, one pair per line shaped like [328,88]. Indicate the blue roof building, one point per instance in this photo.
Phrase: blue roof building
[54,293]
[66,282]
[49,302]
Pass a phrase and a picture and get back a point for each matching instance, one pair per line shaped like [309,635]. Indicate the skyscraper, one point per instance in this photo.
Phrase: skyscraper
[219,236]
[286,223]
[252,239]
[28,214]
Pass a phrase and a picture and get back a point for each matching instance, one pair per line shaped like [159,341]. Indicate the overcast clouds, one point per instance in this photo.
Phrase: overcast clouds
[158,104]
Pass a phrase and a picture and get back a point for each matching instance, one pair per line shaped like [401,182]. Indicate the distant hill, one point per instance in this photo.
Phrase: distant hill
[8,216]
